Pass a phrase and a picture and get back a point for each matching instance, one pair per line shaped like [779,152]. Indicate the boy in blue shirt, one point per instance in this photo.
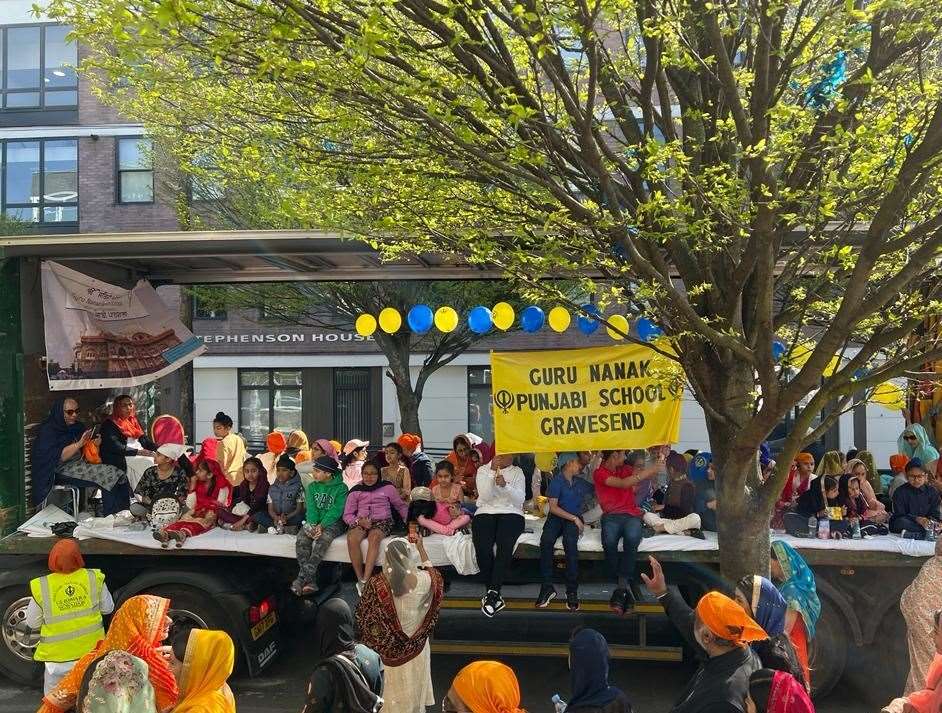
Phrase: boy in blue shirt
[566,494]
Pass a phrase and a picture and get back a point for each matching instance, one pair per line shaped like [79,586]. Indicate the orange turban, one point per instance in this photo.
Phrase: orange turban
[488,687]
[276,442]
[409,441]
[898,462]
[337,446]
[728,620]
[65,557]
[805,457]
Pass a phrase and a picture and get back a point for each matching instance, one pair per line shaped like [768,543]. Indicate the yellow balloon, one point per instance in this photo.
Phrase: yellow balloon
[503,316]
[559,319]
[366,325]
[799,355]
[890,396]
[446,319]
[832,365]
[390,320]
[617,322]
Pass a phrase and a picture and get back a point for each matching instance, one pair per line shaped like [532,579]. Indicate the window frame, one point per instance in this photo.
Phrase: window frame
[41,89]
[271,387]
[479,387]
[118,171]
[42,204]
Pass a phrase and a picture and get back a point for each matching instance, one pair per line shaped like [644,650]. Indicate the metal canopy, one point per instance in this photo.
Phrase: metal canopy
[239,256]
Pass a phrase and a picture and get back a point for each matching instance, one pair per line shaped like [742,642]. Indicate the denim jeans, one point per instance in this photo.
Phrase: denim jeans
[263,519]
[112,501]
[553,528]
[627,529]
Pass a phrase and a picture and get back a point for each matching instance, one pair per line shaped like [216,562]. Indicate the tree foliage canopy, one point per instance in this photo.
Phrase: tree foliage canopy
[740,171]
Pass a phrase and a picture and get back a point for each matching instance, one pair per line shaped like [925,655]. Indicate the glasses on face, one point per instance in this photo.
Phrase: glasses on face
[70,411]
[910,438]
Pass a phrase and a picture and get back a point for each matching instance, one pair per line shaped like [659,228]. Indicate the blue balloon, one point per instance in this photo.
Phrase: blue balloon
[479,320]
[588,325]
[532,319]
[778,349]
[648,330]
[860,373]
[420,319]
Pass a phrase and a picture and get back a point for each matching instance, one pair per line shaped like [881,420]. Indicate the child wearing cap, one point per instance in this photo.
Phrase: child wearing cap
[165,480]
[351,461]
[326,497]
[285,499]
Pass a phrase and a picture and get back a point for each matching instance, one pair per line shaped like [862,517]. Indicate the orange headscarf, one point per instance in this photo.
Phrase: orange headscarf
[805,457]
[137,628]
[208,663]
[488,687]
[410,441]
[65,557]
[898,462]
[728,620]
[276,442]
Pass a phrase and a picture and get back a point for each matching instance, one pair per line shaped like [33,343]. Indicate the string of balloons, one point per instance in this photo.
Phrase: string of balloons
[420,319]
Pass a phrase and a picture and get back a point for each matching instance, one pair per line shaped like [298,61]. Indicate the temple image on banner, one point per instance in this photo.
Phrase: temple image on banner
[110,356]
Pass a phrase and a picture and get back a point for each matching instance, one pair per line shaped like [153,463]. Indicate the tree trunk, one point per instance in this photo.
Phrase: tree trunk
[408,409]
[398,352]
[742,521]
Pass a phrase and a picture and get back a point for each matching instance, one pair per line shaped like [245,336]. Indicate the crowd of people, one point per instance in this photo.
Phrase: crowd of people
[754,646]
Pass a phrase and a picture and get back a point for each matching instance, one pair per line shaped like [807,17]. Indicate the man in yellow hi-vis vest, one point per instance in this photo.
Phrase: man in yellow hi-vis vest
[67,607]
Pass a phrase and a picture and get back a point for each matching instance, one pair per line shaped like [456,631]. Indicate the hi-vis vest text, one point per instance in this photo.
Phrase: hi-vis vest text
[71,614]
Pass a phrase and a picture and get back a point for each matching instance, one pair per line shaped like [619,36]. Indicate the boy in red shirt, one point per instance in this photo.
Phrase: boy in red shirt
[621,521]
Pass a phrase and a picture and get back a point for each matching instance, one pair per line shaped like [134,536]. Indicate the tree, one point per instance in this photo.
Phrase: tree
[743,172]
[336,305]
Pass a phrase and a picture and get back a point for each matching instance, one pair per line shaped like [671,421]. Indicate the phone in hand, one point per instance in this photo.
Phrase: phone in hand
[413,532]
[96,431]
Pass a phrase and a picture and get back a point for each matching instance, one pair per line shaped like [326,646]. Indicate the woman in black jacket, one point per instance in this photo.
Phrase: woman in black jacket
[122,436]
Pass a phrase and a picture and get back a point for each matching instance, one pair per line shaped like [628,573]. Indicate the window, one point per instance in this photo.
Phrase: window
[200,311]
[480,416]
[135,183]
[269,400]
[39,67]
[40,181]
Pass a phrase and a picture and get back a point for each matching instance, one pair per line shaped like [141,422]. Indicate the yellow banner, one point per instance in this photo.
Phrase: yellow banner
[584,399]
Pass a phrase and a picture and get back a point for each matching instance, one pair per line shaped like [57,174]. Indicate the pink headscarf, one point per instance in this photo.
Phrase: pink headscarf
[327,447]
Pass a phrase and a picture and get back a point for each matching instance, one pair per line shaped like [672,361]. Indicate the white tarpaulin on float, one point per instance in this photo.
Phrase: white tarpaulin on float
[99,336]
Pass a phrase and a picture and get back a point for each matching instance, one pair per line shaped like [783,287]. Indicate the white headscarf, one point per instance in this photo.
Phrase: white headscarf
[402,560]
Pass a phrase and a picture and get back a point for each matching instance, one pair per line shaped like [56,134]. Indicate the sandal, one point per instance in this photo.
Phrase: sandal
[163,538]
[296,588]
[308,590]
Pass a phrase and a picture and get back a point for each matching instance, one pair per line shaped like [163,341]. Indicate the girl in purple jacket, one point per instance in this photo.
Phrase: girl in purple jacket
[368,514]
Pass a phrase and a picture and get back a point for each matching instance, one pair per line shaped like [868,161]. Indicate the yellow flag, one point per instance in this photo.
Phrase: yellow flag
[608,398]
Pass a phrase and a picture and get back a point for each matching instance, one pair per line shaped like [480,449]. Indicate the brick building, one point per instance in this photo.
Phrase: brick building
[69,164]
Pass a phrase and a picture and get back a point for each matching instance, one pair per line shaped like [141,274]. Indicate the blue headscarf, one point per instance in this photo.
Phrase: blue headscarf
[923,450]
[588,659]
[798,589]
[699,466]
[54,435]
[768,606]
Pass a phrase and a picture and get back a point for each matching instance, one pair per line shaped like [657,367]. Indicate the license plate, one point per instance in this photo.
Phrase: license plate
[264,625]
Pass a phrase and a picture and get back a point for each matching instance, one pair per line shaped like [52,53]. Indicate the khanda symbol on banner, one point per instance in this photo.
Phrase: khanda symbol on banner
[503,399]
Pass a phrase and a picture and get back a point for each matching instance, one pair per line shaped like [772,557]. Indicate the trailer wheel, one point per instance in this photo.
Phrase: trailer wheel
[19,642]
[194,608]
[827,654]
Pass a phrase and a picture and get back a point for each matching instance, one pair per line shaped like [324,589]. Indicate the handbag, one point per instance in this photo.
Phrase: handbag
[90,452]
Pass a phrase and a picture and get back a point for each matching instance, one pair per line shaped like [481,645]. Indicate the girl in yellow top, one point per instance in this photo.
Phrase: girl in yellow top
[231,453]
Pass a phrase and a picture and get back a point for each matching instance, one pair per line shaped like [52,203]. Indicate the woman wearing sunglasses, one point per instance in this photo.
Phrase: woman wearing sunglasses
[914,442]
[57,458]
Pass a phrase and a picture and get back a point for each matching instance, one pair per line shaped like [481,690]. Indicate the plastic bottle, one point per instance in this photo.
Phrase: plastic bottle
[559,703]
[856,530]
[812,526]
[824,529]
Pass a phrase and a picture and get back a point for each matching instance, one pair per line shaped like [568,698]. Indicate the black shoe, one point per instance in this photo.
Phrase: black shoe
[547,594]
[572,600]
[698,533]
[617,602]
[493,603]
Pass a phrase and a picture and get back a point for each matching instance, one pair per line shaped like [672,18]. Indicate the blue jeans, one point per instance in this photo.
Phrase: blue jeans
[627,528]
[263,519]
[553,528]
